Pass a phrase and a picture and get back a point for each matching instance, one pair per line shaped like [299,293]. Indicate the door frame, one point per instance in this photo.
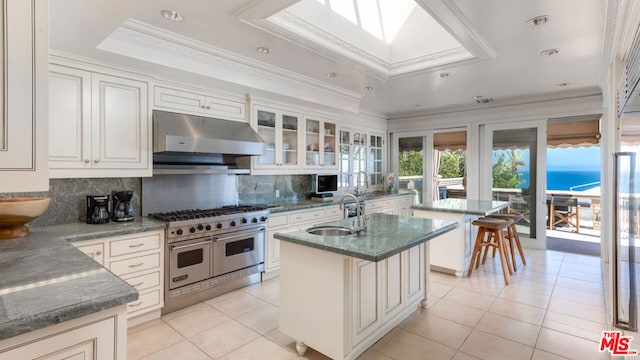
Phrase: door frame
[486,149]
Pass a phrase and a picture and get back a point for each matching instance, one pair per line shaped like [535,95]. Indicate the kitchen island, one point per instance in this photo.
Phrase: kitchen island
[452,253]
[341,294]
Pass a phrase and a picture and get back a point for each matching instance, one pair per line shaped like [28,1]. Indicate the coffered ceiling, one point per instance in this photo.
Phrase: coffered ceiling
[329,61]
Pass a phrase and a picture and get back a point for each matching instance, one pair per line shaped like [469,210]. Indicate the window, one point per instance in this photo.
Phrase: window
[360,152]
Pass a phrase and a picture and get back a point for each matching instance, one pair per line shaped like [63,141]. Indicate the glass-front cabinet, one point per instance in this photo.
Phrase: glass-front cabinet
[280,131]
[320,143]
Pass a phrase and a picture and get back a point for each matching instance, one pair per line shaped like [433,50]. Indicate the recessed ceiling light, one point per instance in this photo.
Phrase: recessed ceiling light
[263,50]
[442,74]
[368,88]
[563,84]
[417,105]
[331,74]
[172,15]
[482,100]
[539,20]
[549,52]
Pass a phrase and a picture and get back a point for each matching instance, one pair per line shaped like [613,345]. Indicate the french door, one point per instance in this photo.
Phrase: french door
[512,168]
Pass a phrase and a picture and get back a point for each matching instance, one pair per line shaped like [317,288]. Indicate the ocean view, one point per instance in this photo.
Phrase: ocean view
[565,179]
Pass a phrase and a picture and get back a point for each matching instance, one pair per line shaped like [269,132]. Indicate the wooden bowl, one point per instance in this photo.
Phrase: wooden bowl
[16,212]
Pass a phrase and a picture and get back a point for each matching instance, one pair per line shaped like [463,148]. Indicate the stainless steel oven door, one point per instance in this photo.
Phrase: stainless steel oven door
[238,250]
[189,261]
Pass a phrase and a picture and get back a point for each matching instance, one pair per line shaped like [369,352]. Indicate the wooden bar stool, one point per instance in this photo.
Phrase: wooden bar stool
[493,228]
[512,236]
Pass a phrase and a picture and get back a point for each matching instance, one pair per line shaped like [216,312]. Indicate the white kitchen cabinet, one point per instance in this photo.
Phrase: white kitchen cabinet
[366,316]
[99,336]
[23,105]
[281,131]
[277,223]
[399,205]
[139,260]
[101,125]
[200,103]
[320,144]
[392,285]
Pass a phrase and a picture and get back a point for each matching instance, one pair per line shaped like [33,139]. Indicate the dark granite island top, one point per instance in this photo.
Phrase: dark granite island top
[463,206]
[386,235]
[45,280]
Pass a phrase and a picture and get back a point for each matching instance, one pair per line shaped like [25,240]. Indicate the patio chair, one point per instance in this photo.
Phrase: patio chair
[564,209]
[519,204]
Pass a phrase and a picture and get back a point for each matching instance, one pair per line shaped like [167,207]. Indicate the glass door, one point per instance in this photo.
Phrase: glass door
[513,168]
[267,130]
[410,166]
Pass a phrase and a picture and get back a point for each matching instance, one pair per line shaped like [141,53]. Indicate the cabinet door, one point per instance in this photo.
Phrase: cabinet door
[120,123]
[23,96]
[225,108]
[95,341]
[320,143]
[272,260]
[281,132]
[69,118]
[179,100]
[290,139]
[365,311]
[94,251]
[413,273]
[330,143]
[392,286]
[266,126]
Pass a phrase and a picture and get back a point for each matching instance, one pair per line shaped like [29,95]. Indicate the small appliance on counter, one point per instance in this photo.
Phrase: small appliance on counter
[326,185]
[97,209]
[122,206]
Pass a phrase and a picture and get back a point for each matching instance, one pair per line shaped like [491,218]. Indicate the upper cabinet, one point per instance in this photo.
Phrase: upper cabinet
[321,144]
[199,103]
[280,130]
[100,124]
[23,107]
[295,142]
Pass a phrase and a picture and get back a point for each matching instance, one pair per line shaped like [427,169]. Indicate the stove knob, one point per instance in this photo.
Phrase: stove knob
[233,223]
[244,220]
[218,226]
[263,218]
[200,226]
[192,230]
[179,232]
[208,227]
[254,220]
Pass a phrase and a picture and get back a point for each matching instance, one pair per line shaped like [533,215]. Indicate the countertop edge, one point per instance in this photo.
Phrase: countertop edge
[310,204]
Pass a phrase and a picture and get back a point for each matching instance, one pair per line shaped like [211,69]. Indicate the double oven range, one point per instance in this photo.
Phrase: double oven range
[211,252]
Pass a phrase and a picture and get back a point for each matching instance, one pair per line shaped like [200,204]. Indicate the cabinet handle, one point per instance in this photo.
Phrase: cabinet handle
[208,107]
[138,284]
[96,161]
[203,106]
[136,304]
[136,265]
[136,245]
[98,252]
[86,161]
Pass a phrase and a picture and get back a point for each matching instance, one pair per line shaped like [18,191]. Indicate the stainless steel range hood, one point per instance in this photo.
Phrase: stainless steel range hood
[189,144]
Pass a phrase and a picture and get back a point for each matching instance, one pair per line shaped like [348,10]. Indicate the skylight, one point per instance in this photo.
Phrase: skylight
[380,18]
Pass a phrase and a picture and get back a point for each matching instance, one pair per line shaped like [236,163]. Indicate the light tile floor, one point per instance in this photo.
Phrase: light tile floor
[553,309]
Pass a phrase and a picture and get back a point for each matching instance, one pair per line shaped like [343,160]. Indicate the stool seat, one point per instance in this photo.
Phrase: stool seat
[513,217]
[489,223]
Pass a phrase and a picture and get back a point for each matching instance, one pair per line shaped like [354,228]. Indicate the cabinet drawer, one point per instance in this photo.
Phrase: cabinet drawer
[94,251]
[129,266]
[379,204]
[306,216]
[135,244]
[404,201]
[145,301]
[142,282]
[333,213]
[278,220]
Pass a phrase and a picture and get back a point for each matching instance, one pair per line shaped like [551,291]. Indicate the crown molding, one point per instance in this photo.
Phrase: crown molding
[152,44]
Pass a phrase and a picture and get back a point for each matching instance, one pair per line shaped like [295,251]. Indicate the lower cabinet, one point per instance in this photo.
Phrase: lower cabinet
[139,260]
[99,336]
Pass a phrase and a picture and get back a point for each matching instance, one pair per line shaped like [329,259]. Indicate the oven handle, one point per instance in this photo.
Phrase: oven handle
[173,247]
[239,234]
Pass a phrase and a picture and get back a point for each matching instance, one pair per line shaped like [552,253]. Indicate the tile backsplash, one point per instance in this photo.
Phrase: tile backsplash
[68,196]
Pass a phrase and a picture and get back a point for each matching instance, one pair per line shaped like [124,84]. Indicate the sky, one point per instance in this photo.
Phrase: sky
[579,158]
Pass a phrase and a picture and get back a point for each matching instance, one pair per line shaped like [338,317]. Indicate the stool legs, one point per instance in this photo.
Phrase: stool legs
[495,239]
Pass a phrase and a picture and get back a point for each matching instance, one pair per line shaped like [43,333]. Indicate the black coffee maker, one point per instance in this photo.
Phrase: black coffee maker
[97,209]
[122,207]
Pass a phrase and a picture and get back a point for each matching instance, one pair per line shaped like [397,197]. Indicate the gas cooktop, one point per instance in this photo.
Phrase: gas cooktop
[191,214]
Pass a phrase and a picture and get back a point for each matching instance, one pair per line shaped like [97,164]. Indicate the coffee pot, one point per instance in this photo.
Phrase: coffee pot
[97,209]
[122,206]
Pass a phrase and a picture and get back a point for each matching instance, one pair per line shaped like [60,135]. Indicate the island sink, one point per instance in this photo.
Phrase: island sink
[331,231]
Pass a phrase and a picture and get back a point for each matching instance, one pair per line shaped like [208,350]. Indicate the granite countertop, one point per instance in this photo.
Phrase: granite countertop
[386,235]
[463,206]
[310,204]
[46,280]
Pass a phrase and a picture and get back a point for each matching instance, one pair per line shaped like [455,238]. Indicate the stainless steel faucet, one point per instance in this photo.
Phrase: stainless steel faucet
[366,181]
[360,216]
